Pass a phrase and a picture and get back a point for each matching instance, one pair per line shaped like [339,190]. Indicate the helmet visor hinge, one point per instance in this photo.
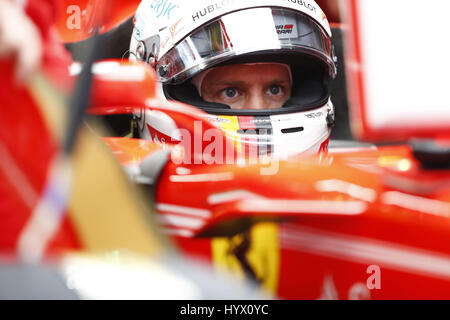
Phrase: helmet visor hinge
[147,50]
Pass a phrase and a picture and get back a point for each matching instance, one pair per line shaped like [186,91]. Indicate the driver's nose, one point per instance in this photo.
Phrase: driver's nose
[255,99]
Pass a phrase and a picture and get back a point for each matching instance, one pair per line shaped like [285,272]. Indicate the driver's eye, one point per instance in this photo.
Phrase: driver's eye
[230,92]
[275,90]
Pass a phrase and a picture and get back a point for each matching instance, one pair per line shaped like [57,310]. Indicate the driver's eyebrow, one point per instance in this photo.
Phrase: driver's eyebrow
[228,83]
[241,83]
[279,81]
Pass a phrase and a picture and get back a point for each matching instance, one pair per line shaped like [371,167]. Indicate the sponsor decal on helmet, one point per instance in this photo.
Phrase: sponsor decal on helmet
[225,3]
[211,8]
[163,8]
[174,28]
[305,4]
[159,137]
[218,119]
[284,28]
[286,31]
[314,115]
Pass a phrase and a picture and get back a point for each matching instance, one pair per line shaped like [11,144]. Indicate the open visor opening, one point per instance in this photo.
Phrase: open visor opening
[245,32]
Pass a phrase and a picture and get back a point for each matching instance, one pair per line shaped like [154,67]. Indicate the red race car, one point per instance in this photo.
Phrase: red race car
[357,221]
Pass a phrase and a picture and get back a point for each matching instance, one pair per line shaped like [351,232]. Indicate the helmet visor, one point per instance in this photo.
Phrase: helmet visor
[245,32]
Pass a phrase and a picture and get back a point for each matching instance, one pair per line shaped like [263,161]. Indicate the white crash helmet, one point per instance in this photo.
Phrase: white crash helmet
[181,39]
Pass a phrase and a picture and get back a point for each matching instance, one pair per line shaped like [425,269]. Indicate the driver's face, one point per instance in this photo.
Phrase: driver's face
[248,86]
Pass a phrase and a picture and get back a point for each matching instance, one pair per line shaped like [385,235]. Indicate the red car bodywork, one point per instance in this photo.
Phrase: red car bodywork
[353,224]
[352,211]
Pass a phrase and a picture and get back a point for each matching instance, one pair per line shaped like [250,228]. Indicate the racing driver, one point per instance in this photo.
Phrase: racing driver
[263,67]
